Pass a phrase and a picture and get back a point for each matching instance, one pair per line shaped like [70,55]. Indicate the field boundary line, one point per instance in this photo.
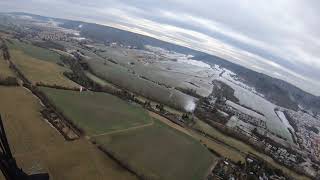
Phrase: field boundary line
[169,123]
[123,130]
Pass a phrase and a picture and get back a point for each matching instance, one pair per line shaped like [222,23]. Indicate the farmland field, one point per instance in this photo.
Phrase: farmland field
[39,148]
[5,71]
[34,51]
[101,82]
[148,146]
[97,80]
[97,113]
[218,147]
[159,152]
[38,71]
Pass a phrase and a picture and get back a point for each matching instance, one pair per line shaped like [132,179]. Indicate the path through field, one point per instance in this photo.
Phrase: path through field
[123,130]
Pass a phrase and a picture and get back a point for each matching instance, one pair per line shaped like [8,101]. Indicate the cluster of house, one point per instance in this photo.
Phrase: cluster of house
[244,117]
[52,36]
[253,131]
[252,168]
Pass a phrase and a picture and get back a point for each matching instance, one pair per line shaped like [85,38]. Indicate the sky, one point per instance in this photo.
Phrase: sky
[280,38]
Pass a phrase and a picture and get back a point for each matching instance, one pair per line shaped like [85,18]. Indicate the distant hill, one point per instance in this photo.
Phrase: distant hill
[275,90]
[105,34]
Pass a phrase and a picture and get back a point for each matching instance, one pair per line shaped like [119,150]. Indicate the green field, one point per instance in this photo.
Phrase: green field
[159,152]
[38,71]
[146,145]
[34,51]
[97,113]
[37,147]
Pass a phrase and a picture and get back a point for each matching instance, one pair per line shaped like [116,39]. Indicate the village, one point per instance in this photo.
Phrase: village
[252,168]
[253,131]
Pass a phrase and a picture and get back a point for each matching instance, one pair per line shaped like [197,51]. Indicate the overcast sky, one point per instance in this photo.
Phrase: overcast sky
[278,37]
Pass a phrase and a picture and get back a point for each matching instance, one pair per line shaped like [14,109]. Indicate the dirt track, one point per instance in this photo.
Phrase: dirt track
[123,130]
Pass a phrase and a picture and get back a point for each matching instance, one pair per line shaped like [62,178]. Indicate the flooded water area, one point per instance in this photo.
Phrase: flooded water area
[178,80]
[156,77]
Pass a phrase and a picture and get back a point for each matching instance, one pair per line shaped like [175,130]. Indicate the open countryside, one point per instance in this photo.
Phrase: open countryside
[80,100]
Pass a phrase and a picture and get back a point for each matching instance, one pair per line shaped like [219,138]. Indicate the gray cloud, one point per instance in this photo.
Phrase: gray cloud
[276,37]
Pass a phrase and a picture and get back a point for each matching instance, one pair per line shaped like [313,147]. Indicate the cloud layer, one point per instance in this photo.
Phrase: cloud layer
[278,37]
